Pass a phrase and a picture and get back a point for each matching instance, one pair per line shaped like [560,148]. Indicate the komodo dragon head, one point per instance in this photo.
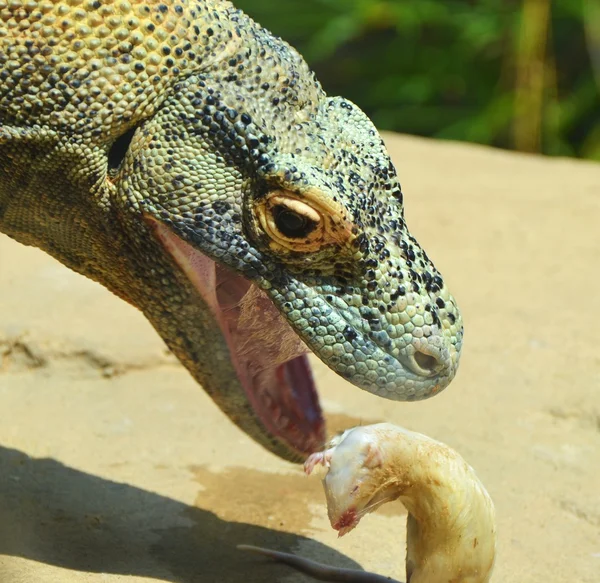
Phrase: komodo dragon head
[185,158]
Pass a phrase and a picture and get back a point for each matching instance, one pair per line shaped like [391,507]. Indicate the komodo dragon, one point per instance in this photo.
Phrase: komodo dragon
[189,161]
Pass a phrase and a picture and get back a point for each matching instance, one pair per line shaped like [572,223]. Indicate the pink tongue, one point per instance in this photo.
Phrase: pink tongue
[262,338]
[297,375]
[275,360]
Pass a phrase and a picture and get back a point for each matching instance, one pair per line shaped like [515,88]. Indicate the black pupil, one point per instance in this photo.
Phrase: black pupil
[290,223]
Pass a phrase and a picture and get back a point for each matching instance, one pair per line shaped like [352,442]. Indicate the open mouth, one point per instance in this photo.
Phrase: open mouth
[346,522]
[269,358]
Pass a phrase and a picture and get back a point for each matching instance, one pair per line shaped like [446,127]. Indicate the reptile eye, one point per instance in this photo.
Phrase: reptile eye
[300,222]
[292,224]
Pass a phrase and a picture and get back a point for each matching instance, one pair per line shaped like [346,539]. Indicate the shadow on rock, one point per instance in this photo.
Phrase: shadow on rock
[57,515]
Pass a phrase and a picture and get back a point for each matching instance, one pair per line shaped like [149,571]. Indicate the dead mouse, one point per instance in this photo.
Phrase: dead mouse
[451,529]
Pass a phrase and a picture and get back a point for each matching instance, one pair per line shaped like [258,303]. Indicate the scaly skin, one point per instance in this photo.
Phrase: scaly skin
[134,132]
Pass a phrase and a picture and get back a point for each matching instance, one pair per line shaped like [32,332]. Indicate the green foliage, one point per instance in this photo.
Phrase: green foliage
[488,71]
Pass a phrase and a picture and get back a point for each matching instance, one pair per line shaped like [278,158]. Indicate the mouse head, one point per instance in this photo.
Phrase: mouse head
[356,481]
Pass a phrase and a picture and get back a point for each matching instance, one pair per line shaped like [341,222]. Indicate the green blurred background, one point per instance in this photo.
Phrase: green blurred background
[517,74]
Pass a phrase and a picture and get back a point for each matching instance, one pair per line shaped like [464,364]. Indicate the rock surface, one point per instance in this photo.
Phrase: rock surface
[115,466]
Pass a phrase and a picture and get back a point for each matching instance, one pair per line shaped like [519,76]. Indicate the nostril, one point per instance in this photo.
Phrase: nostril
[425,361]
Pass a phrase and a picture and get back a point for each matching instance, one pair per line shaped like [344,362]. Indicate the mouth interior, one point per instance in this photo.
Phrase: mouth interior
[268,356]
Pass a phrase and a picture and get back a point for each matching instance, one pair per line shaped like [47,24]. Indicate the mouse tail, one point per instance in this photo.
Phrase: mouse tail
[316,570]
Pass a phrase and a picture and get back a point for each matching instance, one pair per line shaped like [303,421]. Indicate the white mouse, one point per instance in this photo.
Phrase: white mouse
[451,529]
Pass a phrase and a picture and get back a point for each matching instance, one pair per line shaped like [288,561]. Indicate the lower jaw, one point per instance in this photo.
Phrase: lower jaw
[299,423]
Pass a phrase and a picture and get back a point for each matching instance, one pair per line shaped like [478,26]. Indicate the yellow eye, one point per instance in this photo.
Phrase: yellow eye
[301,224]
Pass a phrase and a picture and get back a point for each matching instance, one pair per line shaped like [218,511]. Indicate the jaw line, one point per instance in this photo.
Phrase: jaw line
[300,427]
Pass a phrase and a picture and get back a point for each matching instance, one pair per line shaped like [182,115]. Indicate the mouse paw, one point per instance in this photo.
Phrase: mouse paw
[319,458]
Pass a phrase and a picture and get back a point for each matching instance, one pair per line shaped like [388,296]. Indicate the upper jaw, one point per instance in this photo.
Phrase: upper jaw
[345,344]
